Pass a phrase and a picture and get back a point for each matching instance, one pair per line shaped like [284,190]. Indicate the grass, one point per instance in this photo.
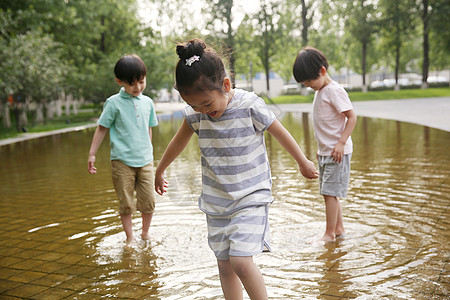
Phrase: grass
[372,95]
[80,119]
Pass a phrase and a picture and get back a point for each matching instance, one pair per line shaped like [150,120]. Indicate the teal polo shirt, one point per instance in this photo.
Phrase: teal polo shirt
[128,119]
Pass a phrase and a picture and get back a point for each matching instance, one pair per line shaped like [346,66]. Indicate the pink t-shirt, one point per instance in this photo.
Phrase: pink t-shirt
[328,119]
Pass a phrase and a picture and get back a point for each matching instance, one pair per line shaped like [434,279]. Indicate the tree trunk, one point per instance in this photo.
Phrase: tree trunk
[24,114]
[103,35]
[267,70]
[425,65]
[39,118]
[58,106]
[68,102]
[397,66]
[363,66]
[17,116]
[6,116]
[231,46]
[304,24]
[266,63]
[50,110]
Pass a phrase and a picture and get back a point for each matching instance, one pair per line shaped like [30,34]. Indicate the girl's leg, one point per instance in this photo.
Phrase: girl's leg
[331,212]
[231,285]
[127,227]
[146,220]
[250,276]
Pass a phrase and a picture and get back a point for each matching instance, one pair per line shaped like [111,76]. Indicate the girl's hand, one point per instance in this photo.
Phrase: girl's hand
[309,170]
[161,184]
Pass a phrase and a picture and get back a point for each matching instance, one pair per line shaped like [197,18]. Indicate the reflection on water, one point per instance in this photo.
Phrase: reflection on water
[62,234]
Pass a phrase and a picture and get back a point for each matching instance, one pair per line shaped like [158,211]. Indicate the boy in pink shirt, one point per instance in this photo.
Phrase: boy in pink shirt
[334,120]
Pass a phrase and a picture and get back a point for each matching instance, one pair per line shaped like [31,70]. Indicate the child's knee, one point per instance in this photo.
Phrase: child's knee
[225,268]
[242,266]
[328,198]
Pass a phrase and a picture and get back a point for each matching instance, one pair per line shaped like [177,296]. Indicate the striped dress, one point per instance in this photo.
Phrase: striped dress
[236,180]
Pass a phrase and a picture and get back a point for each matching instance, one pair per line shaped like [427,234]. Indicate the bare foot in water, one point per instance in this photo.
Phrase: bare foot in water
[328,238]
[130,242]
[340,236]
[145,236]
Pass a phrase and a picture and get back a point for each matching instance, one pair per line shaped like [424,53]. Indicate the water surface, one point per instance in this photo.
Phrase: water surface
[62,237]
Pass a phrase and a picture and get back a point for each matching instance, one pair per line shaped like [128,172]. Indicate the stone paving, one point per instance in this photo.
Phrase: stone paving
[35,265]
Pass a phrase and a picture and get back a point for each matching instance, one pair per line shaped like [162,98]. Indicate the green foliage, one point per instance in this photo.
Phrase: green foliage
[440,35]
[77,43]
[247,61]
[31,66]
[48,46]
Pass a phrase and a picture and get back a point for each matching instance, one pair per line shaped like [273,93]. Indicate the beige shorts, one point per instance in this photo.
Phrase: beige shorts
[128,179]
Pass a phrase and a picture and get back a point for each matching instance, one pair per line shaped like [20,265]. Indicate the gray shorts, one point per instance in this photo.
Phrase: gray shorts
[244,233]
[334,177]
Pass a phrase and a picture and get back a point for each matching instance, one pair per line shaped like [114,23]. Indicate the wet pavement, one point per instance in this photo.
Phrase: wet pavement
[62,239]
[431,112]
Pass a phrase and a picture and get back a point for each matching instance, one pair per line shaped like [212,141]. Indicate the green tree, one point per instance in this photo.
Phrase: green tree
[247,62]
[32,69]
[439,35]
[361,24]
[424,9]
[290,39]
[221,18]
[397,24]
[267,29]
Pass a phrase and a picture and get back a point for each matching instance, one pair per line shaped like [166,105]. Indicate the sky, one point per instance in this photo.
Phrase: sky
[149,14]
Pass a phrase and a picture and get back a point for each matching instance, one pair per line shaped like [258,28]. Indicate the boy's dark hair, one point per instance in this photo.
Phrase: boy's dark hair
[308,63]
[206,73]
[130,68]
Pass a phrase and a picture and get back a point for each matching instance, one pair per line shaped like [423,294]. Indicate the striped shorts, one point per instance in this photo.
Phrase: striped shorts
[244,233]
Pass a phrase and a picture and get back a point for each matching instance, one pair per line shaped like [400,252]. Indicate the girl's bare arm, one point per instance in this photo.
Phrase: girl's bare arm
[288,142]
[175,147]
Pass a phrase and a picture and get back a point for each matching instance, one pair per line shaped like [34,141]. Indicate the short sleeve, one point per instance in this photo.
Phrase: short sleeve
[262,116]
[153,120]
[108,114]
[340,99]
[192,118]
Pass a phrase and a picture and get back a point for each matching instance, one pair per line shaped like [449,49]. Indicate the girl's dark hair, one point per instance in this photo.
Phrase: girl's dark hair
[308,63]
[130,68]
[207,73]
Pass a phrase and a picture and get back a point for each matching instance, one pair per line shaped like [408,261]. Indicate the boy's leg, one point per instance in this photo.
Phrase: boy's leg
[146,221]
[230,282]
[128,227]
[124,180]
[250,276]
[145,197]
[339,230]
[331,211]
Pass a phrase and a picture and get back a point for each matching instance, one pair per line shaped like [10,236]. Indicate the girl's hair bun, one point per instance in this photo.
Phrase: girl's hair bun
[193,47]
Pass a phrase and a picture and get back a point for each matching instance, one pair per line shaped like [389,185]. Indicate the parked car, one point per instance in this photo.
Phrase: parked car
[437,79]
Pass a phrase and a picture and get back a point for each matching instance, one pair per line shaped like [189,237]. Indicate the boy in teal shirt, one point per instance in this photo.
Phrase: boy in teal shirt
[129,116]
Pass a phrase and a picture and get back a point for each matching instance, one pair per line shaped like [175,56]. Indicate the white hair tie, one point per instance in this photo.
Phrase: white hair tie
[191,60]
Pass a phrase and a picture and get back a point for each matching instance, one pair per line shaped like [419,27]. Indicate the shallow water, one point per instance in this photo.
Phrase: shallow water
[62,237]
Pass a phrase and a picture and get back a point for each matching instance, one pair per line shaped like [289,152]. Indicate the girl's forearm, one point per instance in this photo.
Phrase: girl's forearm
[175,147]
[288,142]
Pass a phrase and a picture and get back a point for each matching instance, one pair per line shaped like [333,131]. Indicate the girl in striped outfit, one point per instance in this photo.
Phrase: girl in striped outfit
[236,180]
